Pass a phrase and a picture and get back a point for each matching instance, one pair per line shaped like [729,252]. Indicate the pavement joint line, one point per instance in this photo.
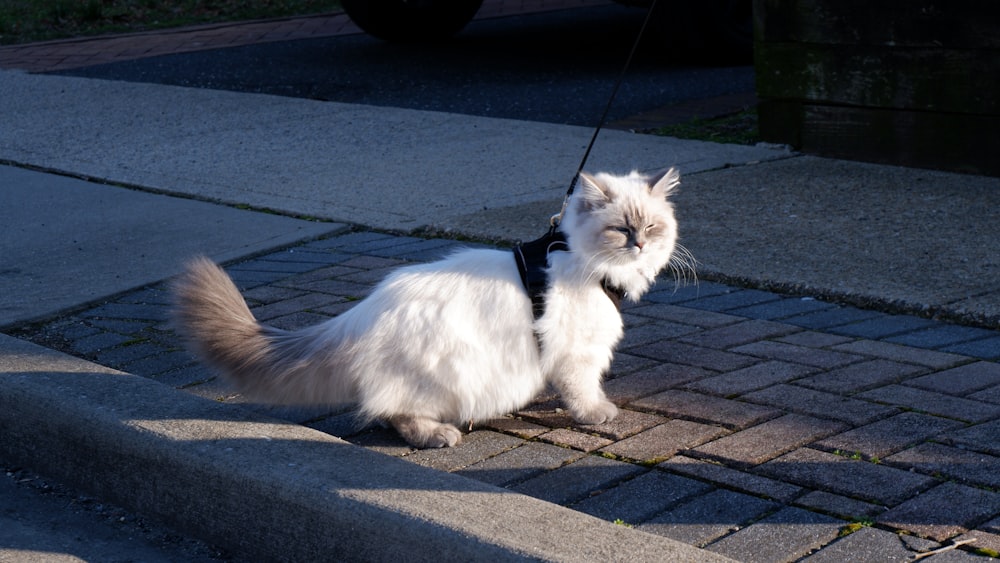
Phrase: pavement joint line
[115,335]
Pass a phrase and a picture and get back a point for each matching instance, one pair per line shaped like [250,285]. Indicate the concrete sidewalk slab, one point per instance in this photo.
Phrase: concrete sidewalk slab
[67,242]
[272,490]
[922,241]
[381,167]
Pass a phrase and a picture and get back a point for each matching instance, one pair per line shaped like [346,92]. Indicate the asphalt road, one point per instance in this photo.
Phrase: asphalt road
[556,67]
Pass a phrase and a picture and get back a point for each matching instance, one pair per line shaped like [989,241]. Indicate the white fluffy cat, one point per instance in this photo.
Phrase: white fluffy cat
[445,343]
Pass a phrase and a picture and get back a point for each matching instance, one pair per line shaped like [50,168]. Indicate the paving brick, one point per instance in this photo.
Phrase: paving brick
[249,279]
[797,354]
[766,441]
[982,437]
[967,507]
[687,293]
[627,423]
[871,545]
[155,295]
[131,311]
[335,309]
[265,294]
[347,425]
[885,437]
[706,408]
[294,305]
[952,463]
[987,349]
[933,403]
[785,307]
[684,315]
[420,250]
[653,332]
[988,542]
[861,376]
[734,299]
[272,266]
[184,375]
[368,277]
[513,425]
[962,380]
[575,440]
[339,288]
[731,478]
[839,506]
[77,329]
[883,326]
[698,356]
[290,282]
[122,326]
[663,441]
[941,335]
[624,364]
[651,381]
[819,404]
[153,366]
[578,480]
[523,462]
[786,535]
[97,342]
[709,517]
[750,378]
[130,351]
[476,446]
[307,255]
[827,318]
[813,339]
[858,479]
[639,499]
[382,440]
[991,395]
[740,333]
[348,239]
[364,262]
[889,351]
[298,321]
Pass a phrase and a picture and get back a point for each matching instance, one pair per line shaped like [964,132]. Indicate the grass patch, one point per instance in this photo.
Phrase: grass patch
[25,21]
[738,128]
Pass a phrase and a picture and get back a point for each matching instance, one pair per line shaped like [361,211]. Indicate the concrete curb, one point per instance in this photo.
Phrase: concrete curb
[271,489]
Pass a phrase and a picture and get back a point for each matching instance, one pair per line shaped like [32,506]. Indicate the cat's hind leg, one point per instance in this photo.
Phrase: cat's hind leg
[423,432]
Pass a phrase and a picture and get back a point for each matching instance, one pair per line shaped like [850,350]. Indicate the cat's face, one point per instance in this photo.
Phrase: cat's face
[623,220]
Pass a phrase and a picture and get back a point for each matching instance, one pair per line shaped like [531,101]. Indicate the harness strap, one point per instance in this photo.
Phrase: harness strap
[532,259]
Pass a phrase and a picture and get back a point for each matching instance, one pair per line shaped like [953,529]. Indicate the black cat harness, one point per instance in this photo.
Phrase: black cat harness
[532,260]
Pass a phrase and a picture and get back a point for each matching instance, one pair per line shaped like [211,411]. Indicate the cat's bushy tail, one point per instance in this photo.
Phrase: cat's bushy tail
[280,366]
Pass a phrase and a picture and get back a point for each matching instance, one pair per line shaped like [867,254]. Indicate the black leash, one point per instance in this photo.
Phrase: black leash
[556,219]
[532,257]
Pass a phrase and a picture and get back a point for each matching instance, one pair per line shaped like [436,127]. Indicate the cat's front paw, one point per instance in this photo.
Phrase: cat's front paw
[604,411]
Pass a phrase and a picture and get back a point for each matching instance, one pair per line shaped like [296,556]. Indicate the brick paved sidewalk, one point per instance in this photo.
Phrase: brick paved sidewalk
[757,425]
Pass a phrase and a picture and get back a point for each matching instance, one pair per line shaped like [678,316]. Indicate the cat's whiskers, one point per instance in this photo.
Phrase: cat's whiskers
[683,266]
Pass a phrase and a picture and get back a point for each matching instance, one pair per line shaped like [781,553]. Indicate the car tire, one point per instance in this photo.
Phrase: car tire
[413,20]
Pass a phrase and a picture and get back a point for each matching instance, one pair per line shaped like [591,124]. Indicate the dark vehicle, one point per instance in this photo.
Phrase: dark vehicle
[717,30]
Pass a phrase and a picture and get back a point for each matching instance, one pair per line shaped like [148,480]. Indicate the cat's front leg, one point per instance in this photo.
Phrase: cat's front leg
[579,384]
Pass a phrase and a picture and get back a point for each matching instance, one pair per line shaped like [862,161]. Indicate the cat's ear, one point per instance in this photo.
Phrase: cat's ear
[593,193]
[661,184]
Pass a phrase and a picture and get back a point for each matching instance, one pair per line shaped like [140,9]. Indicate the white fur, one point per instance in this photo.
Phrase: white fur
[453,341]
